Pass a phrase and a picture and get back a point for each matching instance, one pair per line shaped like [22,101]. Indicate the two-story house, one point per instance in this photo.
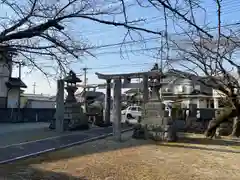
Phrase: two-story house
[186,91]
[178,88]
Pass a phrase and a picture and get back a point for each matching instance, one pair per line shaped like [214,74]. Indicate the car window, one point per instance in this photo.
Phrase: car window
[139,109]
[134,109]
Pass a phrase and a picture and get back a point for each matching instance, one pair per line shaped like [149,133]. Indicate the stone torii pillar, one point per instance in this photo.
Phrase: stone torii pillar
[107,113]
[117,109]
[60,106]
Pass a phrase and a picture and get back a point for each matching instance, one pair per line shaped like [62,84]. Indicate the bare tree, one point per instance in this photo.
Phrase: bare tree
[37,30]
[212,62]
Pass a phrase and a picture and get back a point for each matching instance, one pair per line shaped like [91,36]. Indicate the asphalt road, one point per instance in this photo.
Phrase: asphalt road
[15,152]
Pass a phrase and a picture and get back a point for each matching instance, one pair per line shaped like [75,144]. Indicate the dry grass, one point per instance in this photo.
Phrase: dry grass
[194,159]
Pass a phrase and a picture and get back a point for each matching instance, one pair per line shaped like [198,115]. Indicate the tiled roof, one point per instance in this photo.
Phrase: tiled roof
[15,82]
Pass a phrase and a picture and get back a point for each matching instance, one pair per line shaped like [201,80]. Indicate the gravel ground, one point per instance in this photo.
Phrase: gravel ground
[189,159]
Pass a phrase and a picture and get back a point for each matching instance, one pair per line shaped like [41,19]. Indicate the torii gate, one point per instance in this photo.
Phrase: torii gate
[117,85]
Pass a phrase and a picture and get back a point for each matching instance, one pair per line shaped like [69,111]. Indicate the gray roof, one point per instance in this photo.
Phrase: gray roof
[201,79]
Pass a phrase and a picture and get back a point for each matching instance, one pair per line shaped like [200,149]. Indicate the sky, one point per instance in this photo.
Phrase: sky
[109,60]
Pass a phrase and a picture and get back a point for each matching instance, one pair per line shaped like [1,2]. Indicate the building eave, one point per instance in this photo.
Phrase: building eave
[15,83]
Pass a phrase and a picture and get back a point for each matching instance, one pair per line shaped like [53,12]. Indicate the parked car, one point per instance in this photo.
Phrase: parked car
[132,114]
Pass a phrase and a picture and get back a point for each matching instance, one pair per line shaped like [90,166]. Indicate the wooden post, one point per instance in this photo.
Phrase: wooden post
[117,109]
[60,106]
[107,102]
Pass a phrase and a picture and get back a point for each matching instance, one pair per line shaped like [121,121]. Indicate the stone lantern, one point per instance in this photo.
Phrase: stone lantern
[74,117]
[71,86]
[73,112]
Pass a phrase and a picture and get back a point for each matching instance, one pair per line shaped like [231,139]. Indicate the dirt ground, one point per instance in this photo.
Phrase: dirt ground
[192,158]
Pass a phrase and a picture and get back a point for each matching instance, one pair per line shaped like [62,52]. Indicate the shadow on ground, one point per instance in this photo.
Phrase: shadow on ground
[37,174]
[190,143]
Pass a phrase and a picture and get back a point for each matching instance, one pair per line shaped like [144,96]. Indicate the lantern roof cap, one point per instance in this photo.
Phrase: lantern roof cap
[72,78]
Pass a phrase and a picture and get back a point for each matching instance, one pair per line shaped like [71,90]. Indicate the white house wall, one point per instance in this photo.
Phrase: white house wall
[182,86]
[217,93]
[185,103]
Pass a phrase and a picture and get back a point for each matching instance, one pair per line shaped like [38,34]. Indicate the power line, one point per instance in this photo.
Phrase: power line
[128,65]
[227,9]
[155,38]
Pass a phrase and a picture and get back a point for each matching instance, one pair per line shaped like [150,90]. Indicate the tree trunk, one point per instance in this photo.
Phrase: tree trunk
[236,127]
[224,116]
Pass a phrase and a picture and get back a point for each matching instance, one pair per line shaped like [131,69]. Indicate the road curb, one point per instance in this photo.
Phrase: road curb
[59,148]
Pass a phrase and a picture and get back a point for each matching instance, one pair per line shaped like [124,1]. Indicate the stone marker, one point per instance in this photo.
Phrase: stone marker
[156,123]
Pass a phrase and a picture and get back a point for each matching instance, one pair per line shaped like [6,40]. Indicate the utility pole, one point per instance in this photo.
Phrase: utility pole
[34,87]
[161,65]
[84,88]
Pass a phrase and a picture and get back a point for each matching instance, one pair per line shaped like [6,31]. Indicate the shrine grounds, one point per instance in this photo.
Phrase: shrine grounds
[191,158]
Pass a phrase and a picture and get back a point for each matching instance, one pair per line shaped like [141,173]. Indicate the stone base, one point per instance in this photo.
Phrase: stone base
[156,124]
[165,133]
[139,132]
[74,118]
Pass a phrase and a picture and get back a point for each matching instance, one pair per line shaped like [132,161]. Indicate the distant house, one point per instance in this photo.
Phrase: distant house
[9,86]
[174,87]
[38,101]
[90,95]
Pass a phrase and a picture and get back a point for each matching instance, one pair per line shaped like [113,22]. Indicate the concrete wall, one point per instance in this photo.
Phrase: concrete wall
[26,115]
[3,102]
[41,104]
